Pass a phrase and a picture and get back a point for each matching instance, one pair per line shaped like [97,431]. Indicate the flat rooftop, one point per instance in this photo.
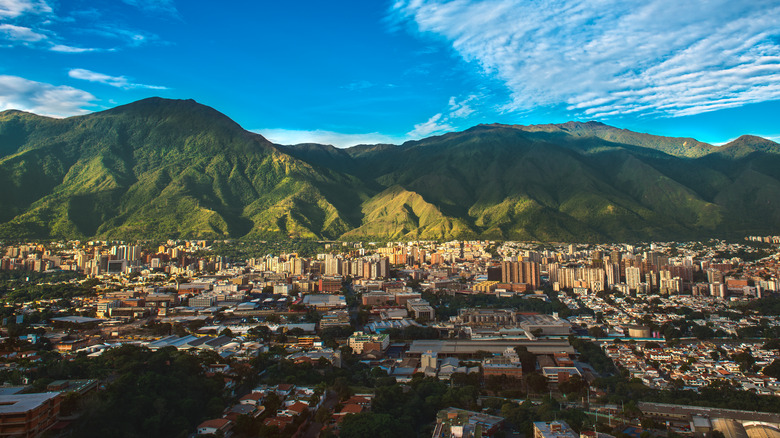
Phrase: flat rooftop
[21,403]
[460,346]
[733,414]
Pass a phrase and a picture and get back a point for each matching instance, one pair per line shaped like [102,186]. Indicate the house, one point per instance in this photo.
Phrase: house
[215,425]
[253,398]
[293,410]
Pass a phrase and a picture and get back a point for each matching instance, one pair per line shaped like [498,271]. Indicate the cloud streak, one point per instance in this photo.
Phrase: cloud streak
[446,121]
[605,58]
[16,8]
[42,98]
[156,7]
[20,33]
[114,81]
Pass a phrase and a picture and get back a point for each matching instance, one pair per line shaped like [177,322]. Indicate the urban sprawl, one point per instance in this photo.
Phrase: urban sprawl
[494,338]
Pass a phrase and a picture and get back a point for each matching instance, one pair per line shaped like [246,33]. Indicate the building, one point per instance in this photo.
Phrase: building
[487,317]
[460,423]
[335,318]
[28,415]
[421,310]
[545,325]
[330,285]
[554,429]
[104,307]
[560,374]
[521,272]
[202,301]
[324,301]
[360,342]
[214,426]
[633,277]
[468,349]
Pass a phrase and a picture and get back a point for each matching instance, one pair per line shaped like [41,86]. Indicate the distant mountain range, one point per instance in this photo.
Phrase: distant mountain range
[161,168]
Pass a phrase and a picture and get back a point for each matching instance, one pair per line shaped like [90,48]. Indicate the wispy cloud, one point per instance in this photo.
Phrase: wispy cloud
[604,58]
[445,121]
[114,81]
[359,85]
[70,49]
[338,139]
[435,125]
[166,7]
[774,138]
[42,98]
[20,33]
[456,110]
[16,8]
[36,24]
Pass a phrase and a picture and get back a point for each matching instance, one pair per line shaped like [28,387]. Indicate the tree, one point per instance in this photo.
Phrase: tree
[374,425]
[226,332]
[597,332]
[773,369]
[323,415]
[536,382]
[273,319]
[527,359]
[573,385]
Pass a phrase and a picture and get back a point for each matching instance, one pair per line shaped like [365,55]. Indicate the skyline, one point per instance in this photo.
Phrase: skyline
[387,72]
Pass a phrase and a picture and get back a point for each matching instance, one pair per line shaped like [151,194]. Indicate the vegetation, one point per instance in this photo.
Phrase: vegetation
[160,393]
[24,286]
[158,169]
[592,354]
[449,305]
[715,395]
[410,407]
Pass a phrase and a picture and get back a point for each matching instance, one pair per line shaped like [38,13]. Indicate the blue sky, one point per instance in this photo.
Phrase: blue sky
[350,72]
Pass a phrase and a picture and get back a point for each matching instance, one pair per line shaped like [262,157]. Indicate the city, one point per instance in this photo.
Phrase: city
[344,337]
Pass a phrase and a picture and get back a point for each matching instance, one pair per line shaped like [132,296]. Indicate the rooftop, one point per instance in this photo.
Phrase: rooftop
[20,403]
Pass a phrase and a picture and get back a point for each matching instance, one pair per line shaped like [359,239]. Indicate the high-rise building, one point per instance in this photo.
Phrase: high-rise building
[613,274]
[521,272]
[633,277]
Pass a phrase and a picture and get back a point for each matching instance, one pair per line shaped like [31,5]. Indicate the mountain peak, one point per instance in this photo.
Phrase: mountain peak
[747,144]
[159,103]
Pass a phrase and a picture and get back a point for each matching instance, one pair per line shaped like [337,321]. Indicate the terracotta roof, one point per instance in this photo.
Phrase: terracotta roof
[216,423]
[351,409]
[298,407]
[280,422]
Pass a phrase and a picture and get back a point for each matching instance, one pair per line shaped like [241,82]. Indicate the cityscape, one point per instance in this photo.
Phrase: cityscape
[495,338]
[390,219]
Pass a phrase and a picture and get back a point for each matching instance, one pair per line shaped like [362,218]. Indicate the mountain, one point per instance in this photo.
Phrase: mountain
[160,168]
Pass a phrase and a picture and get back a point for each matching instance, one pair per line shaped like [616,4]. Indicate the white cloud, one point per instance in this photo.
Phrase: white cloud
[338,139]
[601,58]
[42,98]
[20,33]
[70,49]
[16,8]
[29,22]
[434,125]
[461,109]
[446,121]
[114,81]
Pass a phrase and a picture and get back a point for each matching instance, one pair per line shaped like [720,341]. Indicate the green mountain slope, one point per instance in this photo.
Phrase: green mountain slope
[162,168]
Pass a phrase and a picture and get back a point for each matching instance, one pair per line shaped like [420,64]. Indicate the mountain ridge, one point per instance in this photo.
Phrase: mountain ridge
[161,168]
